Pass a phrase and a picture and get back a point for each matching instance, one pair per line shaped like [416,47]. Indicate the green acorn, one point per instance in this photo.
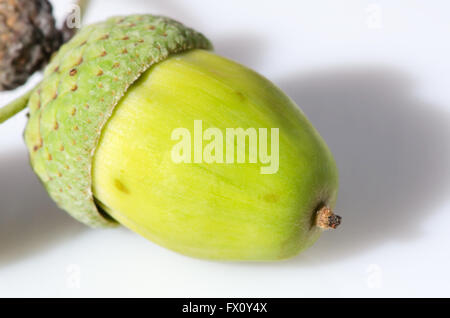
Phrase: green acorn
[137,122]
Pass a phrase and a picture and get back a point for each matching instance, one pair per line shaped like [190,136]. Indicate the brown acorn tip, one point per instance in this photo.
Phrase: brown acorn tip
[326,219]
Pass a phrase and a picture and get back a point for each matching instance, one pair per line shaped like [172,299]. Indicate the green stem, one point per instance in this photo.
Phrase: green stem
[8,111]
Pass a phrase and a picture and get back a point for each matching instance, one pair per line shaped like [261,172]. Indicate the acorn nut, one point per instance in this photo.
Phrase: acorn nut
[137,122]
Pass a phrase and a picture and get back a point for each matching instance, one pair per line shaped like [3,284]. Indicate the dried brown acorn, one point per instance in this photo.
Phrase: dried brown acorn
[28,37]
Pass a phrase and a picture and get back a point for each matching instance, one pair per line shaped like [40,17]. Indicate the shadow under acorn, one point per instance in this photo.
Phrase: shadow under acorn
[392,151]
[29,220]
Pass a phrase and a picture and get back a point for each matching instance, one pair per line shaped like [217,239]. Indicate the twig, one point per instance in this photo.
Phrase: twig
[14,107]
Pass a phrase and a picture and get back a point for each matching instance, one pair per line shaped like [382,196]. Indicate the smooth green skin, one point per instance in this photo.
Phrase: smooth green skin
[213,211]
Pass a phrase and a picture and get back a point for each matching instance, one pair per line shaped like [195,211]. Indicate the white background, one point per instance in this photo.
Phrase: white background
[373,77]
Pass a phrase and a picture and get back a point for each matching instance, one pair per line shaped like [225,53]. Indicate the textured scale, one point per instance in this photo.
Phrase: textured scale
[81,86]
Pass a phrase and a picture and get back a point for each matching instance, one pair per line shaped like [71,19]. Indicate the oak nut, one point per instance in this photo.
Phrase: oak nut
[137,122]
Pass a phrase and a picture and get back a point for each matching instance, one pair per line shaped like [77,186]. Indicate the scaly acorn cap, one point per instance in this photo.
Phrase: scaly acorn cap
[81,86]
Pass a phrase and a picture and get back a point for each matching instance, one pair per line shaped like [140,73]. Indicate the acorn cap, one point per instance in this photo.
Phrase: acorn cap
[81,87]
